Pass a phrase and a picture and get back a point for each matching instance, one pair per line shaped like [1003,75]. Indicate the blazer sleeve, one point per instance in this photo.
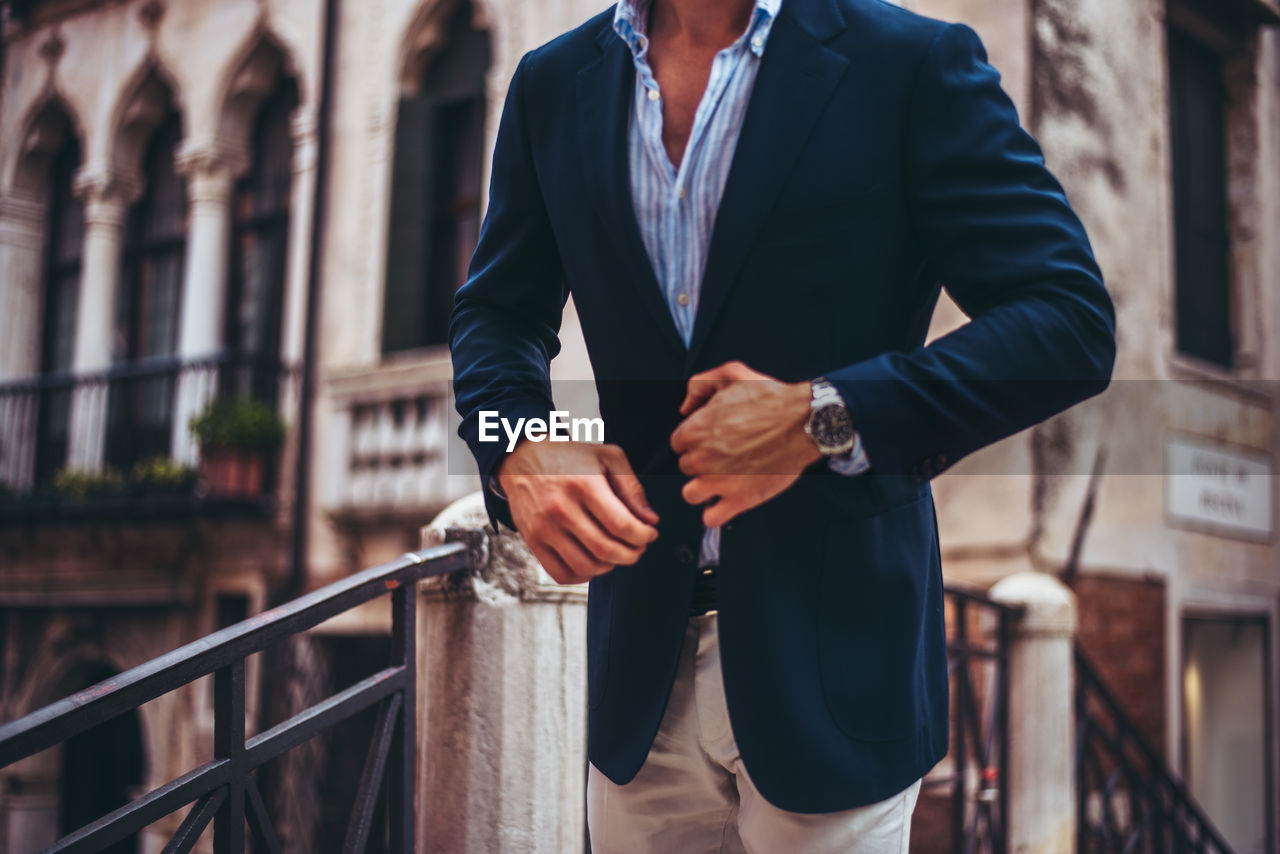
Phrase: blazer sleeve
[503,332]
[998,233]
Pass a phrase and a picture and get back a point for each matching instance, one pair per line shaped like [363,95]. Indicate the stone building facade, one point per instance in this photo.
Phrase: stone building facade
[158,181]
[1162,120]
[159,168]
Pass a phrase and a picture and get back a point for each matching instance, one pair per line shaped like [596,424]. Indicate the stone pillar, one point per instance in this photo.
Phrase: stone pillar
[1041,767]
[301,204]
[21,259]
[21,283]
[297,271]
[502,746]
[107,199]
[210,178]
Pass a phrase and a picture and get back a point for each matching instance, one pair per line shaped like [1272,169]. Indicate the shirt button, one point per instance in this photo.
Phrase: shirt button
[683,299]
[683,192]
[653,94]
[757,42]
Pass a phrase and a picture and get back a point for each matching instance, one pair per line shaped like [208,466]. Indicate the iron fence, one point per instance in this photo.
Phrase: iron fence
[1127,798]
[224,790]
[975,774]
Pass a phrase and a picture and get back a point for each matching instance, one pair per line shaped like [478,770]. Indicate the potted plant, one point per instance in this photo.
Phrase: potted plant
[79,486]
[237,438]
[163,476]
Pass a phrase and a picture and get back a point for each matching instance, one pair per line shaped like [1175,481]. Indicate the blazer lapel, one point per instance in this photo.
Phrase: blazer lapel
[796,80]
[604,104]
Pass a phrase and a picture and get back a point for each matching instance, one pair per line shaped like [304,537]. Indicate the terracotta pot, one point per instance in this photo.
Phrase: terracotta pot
[232,472]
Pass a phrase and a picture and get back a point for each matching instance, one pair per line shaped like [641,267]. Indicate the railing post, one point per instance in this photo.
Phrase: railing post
[503,699]
[1041,779]
[402,762]
[228,743]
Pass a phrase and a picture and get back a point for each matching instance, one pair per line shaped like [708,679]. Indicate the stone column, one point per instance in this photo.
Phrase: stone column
[1041,768]
[210,175]
[21,283]
[301,204]
[297,271]
[107,198]
[502,746]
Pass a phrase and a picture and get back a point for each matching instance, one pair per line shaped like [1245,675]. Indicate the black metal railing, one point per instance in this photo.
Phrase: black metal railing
[119,417]
[1128,799]
[224,790]
[977,654]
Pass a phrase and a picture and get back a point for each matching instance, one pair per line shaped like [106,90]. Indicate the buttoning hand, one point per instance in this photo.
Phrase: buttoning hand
[579,506]
[742,439]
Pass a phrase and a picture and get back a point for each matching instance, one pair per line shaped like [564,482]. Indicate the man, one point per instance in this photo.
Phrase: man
[754,205]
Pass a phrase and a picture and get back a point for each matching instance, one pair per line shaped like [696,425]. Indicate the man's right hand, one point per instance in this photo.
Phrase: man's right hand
[579,506]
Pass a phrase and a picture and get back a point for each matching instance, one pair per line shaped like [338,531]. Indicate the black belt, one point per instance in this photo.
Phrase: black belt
[704,591]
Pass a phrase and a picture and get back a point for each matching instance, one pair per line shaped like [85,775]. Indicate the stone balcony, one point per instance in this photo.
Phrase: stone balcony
[385,452]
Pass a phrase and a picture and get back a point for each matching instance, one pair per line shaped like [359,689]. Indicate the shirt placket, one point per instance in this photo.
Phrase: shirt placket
[678,197]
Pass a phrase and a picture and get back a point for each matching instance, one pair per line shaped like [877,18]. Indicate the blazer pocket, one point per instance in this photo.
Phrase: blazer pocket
[870,620]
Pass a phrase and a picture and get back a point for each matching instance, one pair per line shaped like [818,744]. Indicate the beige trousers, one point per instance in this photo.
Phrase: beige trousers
[693,794]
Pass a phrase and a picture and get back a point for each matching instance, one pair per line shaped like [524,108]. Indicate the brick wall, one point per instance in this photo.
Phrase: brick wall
[1122,630]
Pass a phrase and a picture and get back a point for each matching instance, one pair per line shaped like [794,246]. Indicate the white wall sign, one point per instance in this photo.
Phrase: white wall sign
[1220,487]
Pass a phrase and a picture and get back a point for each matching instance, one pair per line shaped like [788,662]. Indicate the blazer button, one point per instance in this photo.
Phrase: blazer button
[939,462]
[684,554]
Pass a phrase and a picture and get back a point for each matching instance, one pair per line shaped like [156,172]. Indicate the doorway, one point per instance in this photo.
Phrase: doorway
[100,768]
[1226,732]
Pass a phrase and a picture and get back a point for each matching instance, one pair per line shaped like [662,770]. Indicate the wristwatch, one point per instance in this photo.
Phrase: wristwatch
[829,425]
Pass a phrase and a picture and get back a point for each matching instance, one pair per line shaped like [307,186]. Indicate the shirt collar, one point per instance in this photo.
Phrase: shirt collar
[630,18]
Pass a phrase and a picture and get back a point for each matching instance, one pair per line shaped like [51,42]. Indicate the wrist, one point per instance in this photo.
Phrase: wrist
[508,465]
[828,425]
[798,410]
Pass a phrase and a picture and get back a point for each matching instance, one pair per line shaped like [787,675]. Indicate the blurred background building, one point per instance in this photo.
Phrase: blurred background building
[177,228]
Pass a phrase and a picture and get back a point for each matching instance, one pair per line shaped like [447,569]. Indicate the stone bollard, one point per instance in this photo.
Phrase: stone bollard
[502,652]
[1042,787]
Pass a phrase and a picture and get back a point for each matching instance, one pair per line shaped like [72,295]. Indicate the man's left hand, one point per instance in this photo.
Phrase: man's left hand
[742,439]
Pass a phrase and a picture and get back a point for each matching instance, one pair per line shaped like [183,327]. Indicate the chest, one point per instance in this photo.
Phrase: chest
[682,77]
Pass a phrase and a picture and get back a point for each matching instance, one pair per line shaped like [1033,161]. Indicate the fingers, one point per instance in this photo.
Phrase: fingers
[688,433]
[600,544]
[702,386]
[723,511]
[626,485]
[700,391]
[721,497]
[604,509]
[702,489]
[576,557]
[556,566]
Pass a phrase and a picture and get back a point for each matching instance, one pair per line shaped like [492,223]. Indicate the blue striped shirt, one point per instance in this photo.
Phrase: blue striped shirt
[676,207]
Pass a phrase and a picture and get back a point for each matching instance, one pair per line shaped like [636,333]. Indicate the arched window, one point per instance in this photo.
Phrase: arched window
[259,245]
[64,239]
[436,181]
[150,302]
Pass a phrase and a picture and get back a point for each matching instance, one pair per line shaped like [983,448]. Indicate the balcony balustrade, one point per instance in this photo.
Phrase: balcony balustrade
[67,438]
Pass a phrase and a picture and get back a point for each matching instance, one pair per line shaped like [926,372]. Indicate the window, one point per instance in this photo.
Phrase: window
[1198,116]
[436,179]
[64,237]
[259,245]
[149,305]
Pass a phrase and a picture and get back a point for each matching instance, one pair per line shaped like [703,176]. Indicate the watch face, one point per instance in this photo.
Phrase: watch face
[831,426]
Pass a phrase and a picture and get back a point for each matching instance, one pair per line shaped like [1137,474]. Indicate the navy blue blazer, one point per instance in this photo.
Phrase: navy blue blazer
[879,160]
